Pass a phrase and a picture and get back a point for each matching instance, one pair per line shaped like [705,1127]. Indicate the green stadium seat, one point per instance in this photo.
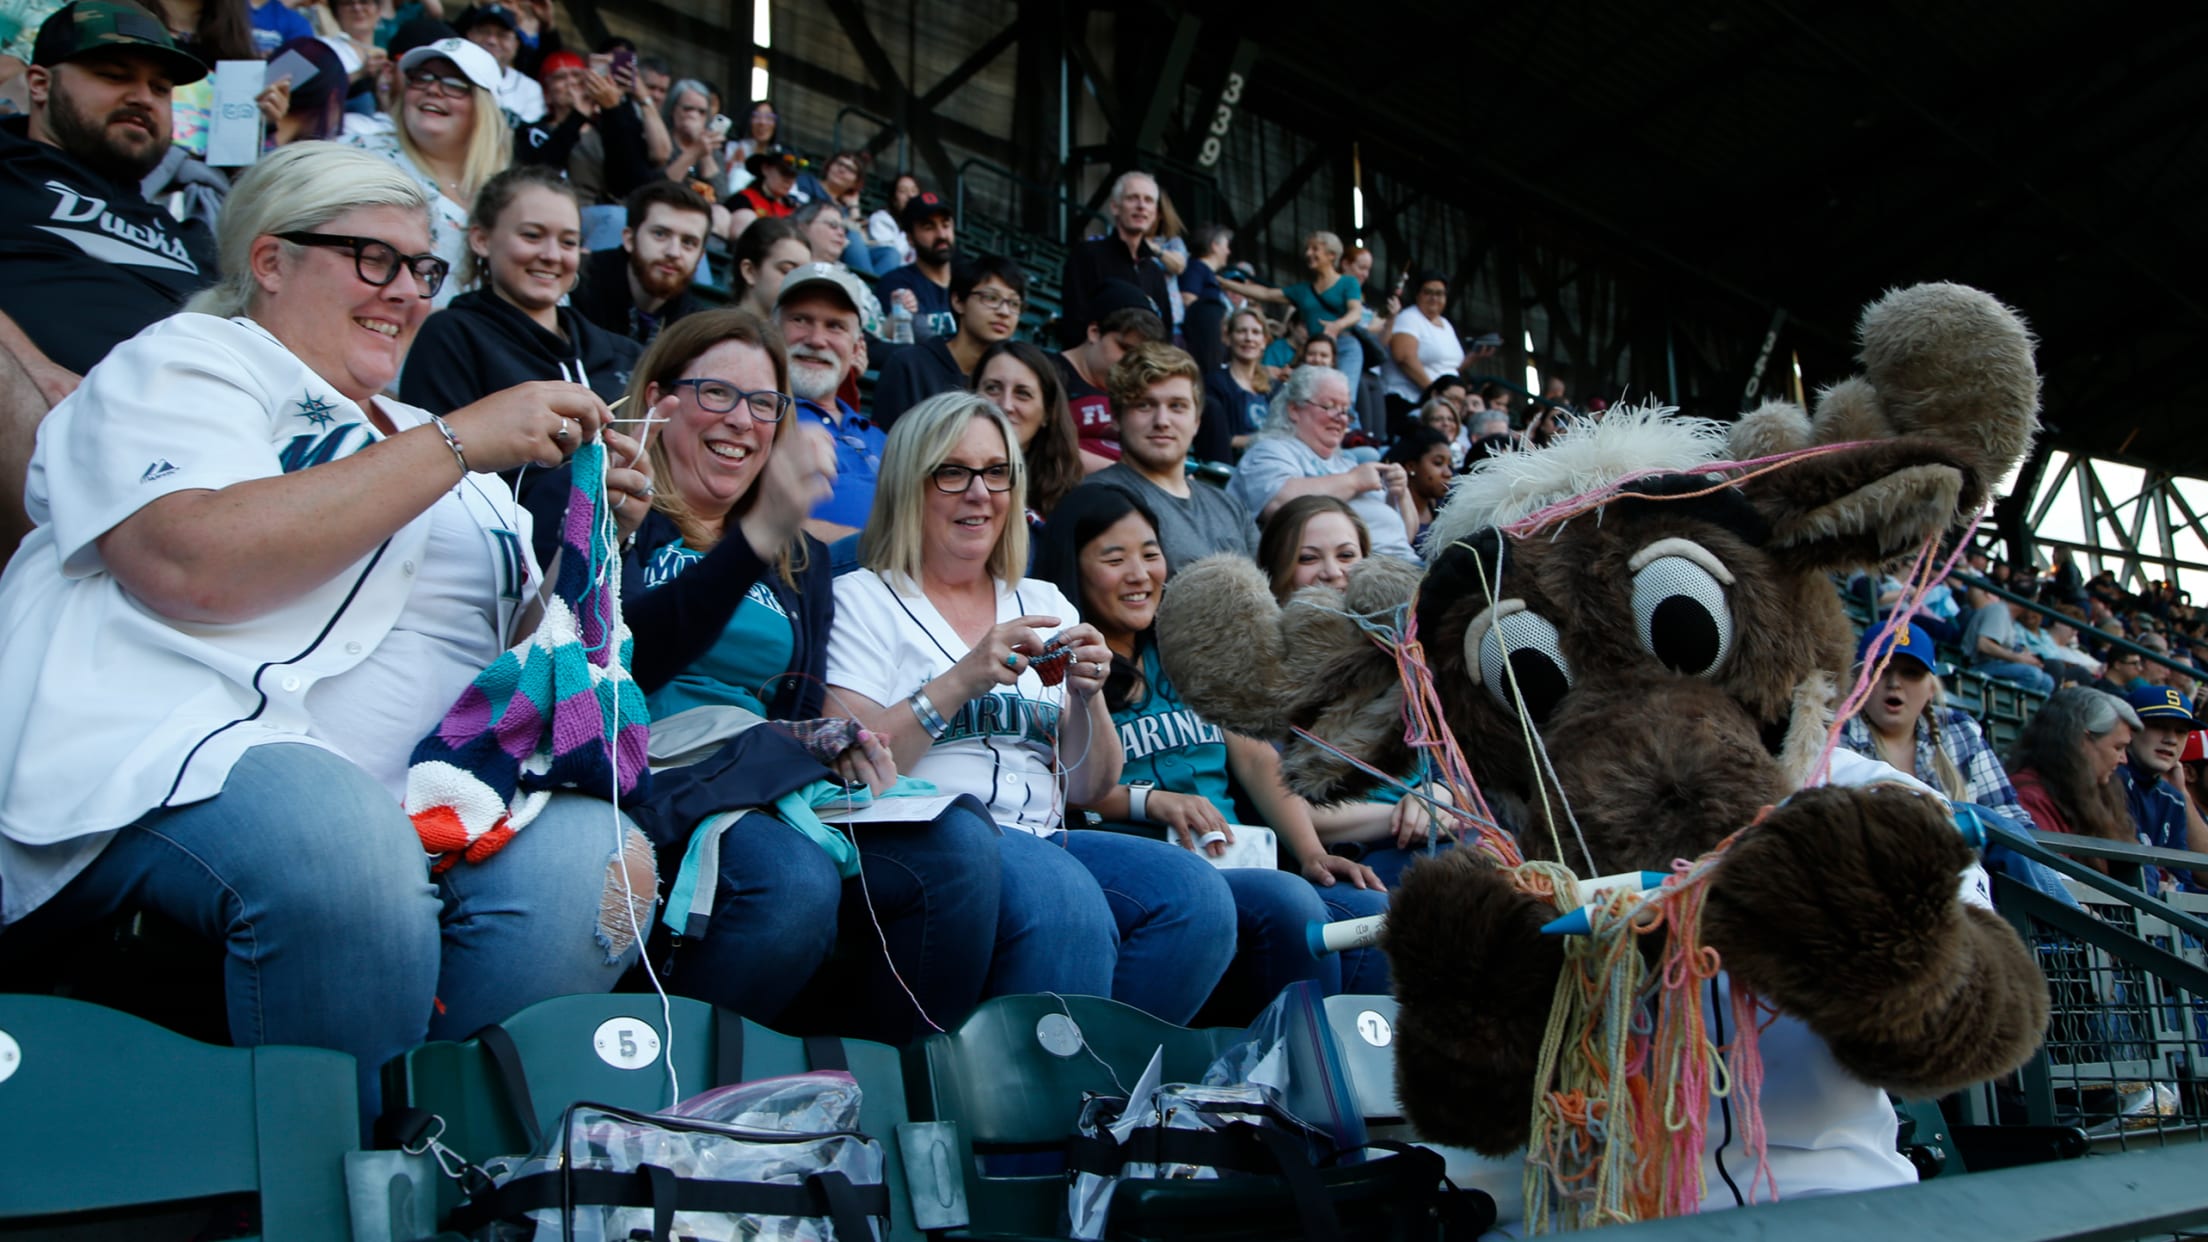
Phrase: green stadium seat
[559,1041]
[113,1115]
[1012,1078]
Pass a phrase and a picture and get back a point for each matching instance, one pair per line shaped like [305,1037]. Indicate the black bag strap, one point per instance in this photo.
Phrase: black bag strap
[728,1047]
[506,1059]
[828,1195]
[1314,1211]
[664,1192]
[1233,1147]
[822,1052]
[826,1052]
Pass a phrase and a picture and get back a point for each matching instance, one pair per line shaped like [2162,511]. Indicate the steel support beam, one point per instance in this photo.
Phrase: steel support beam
[980,59]
[1285,192]
[1164,94]
[905,107]
[868,95]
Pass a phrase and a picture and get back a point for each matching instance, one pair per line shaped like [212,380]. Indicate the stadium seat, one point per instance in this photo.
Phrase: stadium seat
[1013,1079]
[602,1049]
[113,1115]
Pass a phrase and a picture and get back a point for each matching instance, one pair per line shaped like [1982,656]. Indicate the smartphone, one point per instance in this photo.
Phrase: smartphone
[601,63]
[719,126]
[1488,340]
[624,62]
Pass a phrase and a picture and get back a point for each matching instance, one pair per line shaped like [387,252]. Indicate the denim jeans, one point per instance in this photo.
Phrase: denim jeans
[920,919]
[1056,931]
[1173,914]
[2019,674]
[337,936]
[1273,911]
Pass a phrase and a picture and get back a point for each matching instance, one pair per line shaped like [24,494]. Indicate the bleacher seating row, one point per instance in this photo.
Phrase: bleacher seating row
[131,1115]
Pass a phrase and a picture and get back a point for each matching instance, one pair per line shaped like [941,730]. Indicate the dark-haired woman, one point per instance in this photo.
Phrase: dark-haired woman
[1021,380]
[1101,549]
[523,250]
[766,251]
[1430,465]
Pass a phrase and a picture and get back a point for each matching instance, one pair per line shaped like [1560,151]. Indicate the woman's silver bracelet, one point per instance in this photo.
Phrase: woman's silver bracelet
[930,719]
[452,442]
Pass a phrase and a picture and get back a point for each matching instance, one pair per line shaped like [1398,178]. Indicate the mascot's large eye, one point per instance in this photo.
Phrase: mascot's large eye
[1536,663]
[1680,610]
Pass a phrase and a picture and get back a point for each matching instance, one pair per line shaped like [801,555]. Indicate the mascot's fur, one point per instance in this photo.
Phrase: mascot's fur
[1680,658]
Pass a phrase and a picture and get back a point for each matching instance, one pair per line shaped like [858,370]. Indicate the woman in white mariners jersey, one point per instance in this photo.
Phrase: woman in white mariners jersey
[935,646]
[253,587]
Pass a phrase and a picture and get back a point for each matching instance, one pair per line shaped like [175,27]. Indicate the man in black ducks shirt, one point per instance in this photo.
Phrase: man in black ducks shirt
[85,260]
[645,285]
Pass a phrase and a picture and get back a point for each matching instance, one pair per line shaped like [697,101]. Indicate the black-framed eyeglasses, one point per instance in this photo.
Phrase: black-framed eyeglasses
[720,396]
[450,88]
[998,301]
[954,480]
[378,262]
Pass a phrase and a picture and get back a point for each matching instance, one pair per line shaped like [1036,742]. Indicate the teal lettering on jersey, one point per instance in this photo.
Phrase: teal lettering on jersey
[1006,715]
[315,449]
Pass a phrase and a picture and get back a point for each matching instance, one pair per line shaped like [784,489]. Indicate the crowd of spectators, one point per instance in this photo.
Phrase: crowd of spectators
[326,405]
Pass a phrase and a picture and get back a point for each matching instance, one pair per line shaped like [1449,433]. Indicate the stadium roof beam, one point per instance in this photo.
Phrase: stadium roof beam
[917,121]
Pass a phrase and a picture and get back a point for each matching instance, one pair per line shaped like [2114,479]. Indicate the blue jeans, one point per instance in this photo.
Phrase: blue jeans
[1273,910]
[337,936]
[921,918]
[1172,917]
[2019,674]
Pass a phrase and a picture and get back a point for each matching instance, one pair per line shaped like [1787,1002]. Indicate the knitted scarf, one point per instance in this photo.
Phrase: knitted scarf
[558,711]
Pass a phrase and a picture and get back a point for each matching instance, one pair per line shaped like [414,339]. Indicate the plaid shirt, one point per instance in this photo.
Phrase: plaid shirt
[1984,780]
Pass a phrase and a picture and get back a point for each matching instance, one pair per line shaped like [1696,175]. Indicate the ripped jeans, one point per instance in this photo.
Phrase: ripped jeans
[337,936]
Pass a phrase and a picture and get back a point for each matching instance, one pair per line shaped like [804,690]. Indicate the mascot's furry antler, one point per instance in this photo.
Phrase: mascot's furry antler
[1264,669]
[1942,363]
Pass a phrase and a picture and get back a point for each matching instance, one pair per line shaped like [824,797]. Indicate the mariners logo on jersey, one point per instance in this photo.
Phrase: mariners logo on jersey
[317,411]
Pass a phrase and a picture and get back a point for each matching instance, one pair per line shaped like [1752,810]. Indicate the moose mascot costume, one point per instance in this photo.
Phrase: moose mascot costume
[1633,641]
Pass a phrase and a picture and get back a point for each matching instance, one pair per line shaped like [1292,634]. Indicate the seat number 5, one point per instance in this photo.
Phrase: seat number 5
[626,1043]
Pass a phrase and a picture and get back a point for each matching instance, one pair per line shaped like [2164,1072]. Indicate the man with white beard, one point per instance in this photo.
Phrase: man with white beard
[825,313]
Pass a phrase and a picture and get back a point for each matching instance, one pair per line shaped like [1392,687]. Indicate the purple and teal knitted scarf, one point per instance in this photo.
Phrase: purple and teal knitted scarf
[558,711]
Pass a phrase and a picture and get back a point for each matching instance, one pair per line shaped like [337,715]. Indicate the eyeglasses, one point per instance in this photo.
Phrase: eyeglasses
[998,301]
[720,397]
[439,84]
[954,480]
[1331,411]
[378,262]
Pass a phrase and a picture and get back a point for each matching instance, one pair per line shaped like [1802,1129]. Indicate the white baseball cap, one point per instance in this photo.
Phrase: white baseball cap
[844,281]
[477,65]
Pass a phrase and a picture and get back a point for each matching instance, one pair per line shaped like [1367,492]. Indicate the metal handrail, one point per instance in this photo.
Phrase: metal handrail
[2117,641]
[882,125]
[1049,193]
[2029,845]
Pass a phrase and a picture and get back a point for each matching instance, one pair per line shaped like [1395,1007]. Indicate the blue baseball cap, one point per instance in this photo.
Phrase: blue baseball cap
[2162,703]
[1912,642]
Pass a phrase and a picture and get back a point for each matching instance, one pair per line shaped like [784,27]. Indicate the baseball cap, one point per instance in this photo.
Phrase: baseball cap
[558,62]
[2196,747]
[97,25]
[770,154]
[1911,642]
[2161,703]
[477,65]
[476,15]
[921,206]
[845,282]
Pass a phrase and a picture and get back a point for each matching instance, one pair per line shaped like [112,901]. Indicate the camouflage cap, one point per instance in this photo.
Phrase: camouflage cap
[89,26]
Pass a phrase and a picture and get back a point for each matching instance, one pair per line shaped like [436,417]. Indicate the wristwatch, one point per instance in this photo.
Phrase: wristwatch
[1138,799]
